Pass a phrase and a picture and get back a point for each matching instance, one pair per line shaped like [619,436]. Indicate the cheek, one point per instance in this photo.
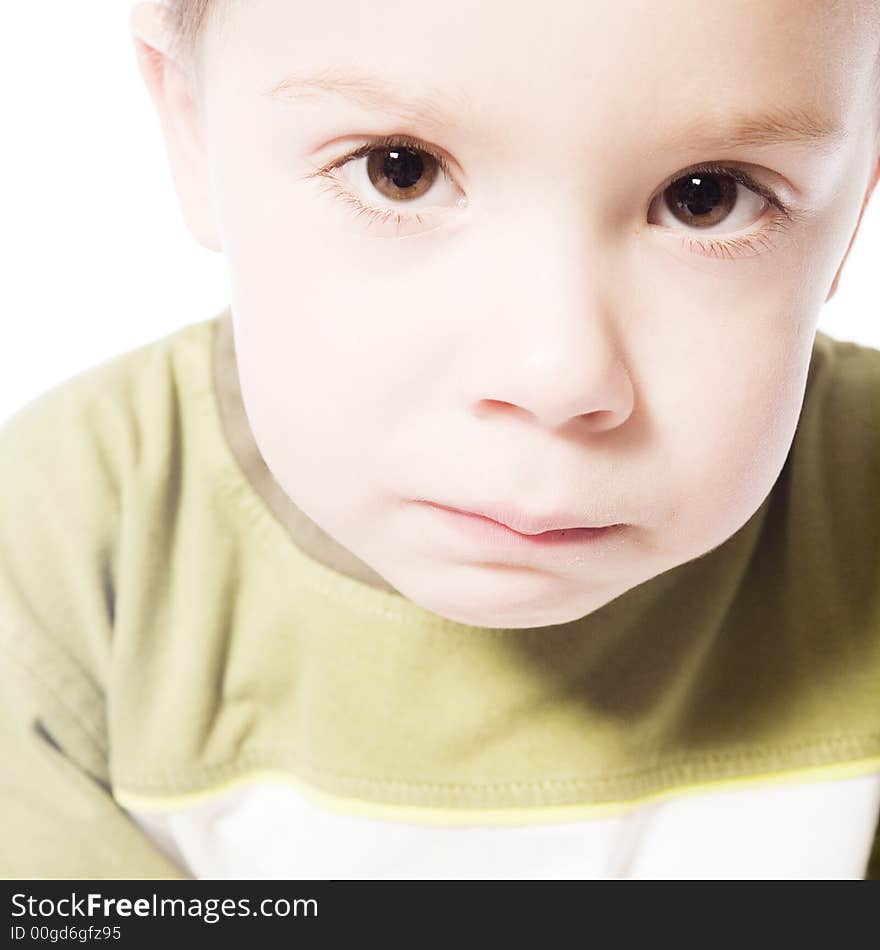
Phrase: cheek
[325,397]
[730,421]
[312,399]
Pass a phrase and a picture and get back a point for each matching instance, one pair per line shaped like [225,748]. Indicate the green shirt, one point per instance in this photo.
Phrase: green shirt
[188,663]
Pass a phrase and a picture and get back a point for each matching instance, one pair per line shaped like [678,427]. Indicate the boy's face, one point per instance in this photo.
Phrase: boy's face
[540,330]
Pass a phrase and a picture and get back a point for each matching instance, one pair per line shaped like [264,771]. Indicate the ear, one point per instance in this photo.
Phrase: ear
[172,89]
[871,184]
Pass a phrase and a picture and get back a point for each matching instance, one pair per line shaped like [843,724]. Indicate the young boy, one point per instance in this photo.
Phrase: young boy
[514,519]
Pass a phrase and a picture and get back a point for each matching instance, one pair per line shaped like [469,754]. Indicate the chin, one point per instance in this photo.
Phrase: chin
[507,616]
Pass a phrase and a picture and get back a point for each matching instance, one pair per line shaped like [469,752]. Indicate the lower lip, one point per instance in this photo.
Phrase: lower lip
[492,532]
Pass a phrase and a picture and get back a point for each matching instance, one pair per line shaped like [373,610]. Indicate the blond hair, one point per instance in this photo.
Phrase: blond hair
[187,19]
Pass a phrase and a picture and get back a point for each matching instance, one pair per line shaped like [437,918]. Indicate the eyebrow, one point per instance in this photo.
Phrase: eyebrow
[376,95]
[781,125]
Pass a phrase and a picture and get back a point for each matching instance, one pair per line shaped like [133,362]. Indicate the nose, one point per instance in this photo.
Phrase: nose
[551,345]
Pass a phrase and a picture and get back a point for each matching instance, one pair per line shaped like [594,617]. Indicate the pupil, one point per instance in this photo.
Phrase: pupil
[403,166]
[700,194]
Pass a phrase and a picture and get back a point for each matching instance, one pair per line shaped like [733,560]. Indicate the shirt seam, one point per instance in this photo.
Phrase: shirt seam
[82,720]
[668,768]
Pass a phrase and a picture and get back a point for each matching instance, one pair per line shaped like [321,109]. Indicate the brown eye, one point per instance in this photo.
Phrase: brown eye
[701,199]
[401,172]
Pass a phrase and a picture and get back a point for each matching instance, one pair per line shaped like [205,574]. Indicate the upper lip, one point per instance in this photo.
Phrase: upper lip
[524,523]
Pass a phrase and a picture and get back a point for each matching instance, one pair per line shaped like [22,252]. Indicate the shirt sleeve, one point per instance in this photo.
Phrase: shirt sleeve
[58,818]
[63,462]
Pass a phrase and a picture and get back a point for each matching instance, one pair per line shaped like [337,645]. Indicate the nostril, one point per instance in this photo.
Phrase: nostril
[497,404]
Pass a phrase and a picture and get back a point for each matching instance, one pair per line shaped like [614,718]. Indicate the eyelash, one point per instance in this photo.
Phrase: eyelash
[752,244]
[377,215]
[758,241]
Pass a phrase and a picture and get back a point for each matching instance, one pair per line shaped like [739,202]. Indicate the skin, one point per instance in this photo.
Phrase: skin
[549,343]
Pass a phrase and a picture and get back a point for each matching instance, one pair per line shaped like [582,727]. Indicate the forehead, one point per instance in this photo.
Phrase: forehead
[614,65]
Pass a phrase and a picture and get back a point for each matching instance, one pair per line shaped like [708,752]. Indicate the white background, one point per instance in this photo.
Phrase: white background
[96,258]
